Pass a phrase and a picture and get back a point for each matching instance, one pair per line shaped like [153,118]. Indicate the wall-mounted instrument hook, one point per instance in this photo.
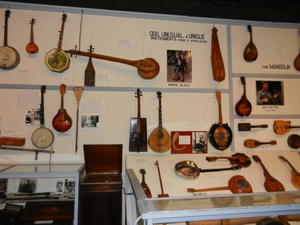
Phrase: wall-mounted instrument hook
[91,49]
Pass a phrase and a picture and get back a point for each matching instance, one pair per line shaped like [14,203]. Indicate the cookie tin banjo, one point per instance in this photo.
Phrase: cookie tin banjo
[9,56]
[56,59]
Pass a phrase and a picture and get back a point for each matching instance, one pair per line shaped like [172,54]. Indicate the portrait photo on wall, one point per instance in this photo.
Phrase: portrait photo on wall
[27,185]
[269,92]
[179,66]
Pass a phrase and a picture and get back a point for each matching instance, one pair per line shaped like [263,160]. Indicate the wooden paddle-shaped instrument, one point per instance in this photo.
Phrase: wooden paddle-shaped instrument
[42,137]
[294,141]
[217,63]
[9,56]
[270,184]
[162,195]
[144,185]
[252,143]
[236,184]
[236,159]
[78,90]
[250,51]
[159,139]
[220,135]
[243,107]
[138,129]
[248,126]
[295,174]
[282,127]
[297,60]
[147,68]
[62,122]
[89,73]
[31,47]
[56,59]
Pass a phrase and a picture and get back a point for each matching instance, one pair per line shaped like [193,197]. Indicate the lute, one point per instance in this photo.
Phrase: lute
[220,135]
[236,159]
[297,60]
[159,139]
[282,127]
[252,143]
[89,73]
[248,126]
[217,63]
[42,137]
[62,122]
[144,185]
[163,194]
[31,47]
[138,129]
[250,51]
[56,59]
[270,184]
[9,56]
[243,107]
[295,174]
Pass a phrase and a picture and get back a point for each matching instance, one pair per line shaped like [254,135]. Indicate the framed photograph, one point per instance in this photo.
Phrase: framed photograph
[59,187]
[269,92]
[90,121]
[27,185]
[69,186]
[3,185]
[179,66]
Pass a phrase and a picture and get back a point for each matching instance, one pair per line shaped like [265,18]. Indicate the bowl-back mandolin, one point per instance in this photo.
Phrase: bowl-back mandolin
[295,174]
[217,63]
[250,51]
[243,107]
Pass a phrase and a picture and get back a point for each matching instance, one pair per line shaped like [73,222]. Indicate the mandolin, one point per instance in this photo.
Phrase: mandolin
[295,174]
[236,184]
[78,91]
[162,195]
[217,63]
[282,127]
[62,122]
[243,107]
[31,47]
[236,159]
[220,135]
[42,137]
[252,143]
[294,141]
[271,184]
[248,126]
[138,129]
[297,60]
[144,185]
[89,73]
[147,68]
[159,139]
[56,59]
[250,51]
[9,56]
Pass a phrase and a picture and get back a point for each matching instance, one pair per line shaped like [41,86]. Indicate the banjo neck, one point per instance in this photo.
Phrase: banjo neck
[42,111]
[61,32]
[7,14]
[218,95]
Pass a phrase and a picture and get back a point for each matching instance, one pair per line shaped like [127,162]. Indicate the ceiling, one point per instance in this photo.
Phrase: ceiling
[274,10]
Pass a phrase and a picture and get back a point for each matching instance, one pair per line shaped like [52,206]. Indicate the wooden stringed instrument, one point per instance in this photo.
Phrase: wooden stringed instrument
[42,137]
[217,63]
[163,194]
[78,91]
[62,122]
[250,51]
[220,135]
[282,127]
[236,184]
[294,141]
[31,47]
[252,143]
[147,68]
[9,56]
[236,159]
[295,174]
[89,73]
[56,59]
[243,107]
[159,139]
[144,185]
[248,126]
[270,184]
[138,129]
[297,60]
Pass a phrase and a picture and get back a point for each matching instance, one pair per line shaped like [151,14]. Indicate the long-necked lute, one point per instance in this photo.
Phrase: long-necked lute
[31,47]
[217,63]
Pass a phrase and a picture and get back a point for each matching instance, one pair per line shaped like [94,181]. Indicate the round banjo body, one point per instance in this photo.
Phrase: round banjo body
[42,137]
[57,60]
[9,57]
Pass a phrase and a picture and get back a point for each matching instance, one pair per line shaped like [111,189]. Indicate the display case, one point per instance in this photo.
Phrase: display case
[40,172]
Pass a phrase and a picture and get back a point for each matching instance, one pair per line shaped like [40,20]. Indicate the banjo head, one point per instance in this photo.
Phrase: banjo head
[57,60]
[42,137]
[9,57]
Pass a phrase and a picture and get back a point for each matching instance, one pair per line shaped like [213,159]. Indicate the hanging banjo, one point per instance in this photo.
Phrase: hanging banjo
[9,56]
[56,59]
